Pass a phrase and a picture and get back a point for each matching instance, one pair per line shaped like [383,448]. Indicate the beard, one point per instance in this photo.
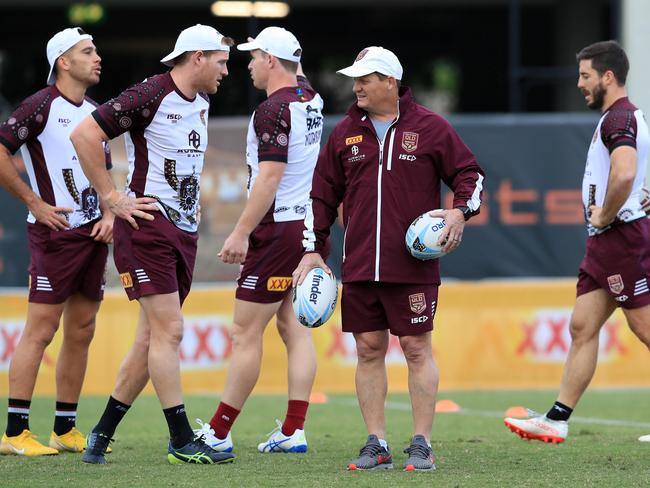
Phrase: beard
[598,97]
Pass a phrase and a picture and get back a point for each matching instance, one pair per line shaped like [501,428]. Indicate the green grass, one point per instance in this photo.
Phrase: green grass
[473,448]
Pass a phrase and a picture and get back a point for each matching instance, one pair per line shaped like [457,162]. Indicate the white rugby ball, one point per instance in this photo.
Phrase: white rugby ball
[422,237]
[314,300]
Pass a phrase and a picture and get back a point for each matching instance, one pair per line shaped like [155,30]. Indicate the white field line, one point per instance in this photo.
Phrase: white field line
[496,414]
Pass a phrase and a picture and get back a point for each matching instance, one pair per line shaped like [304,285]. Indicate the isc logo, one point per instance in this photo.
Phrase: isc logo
[419,320]
[407,157]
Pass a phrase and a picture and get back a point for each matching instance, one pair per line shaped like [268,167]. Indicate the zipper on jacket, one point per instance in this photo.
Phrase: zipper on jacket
[390,149]
[345,235]
[379,174]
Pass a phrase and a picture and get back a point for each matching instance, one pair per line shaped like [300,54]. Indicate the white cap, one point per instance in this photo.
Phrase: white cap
[276,41]
[374,59]
[196,38]
[60,43]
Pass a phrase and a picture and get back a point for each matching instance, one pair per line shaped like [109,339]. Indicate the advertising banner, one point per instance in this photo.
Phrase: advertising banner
[487,335]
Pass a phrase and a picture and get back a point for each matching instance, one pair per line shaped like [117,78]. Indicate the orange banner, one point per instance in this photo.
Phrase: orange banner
[487,335]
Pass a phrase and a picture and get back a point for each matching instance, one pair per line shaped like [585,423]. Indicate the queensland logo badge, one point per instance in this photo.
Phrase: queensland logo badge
[615,283]
[417,302]
[410,141]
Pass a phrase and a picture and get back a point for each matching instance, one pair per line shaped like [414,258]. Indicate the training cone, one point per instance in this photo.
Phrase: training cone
[318,397]
[517,411]
[447,406]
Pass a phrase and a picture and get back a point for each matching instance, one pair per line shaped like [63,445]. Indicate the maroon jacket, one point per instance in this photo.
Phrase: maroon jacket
[384,186]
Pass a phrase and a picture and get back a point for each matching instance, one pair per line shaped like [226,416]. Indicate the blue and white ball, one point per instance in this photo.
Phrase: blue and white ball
[314,301]
[422,237]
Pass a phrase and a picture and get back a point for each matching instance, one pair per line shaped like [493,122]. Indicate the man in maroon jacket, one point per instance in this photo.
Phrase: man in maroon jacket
[385,162]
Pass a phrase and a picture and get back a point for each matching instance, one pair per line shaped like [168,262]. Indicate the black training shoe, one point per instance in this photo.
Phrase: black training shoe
[372,456]
[197,452]
[96,447]
[421,456]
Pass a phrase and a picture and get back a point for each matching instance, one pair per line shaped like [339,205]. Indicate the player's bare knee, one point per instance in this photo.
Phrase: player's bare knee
[370,351]
[582,330]
[42,334]
[170,332]
[246,334]
[415,349]
[80,334]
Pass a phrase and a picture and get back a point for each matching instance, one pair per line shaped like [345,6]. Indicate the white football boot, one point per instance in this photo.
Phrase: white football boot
[278,442]
[206,432]
[538,427]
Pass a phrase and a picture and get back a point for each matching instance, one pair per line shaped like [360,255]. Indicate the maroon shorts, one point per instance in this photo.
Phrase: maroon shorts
[404,309]
[156,259]
[274,251]
[65,262]
[618,261]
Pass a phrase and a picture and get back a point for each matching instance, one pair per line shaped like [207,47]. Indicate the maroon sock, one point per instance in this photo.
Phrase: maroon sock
[223,419]
[295,419]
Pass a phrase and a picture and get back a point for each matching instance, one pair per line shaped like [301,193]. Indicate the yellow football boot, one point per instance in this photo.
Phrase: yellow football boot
[73,441]
[24,444]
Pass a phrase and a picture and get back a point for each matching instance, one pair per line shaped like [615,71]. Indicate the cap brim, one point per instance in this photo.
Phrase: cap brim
[355,71]
[248,46]
[167,60]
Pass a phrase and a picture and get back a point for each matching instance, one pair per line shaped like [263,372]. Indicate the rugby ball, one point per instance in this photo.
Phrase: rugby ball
[422,237]
[314,300]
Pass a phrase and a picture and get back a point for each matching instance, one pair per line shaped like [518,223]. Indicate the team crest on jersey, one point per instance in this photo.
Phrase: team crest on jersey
[353,140]
[418,303]
[615,283]
[202,117]
[410,141]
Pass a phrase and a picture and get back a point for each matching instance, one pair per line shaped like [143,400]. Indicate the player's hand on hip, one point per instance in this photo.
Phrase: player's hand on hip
[234,249]
[103,228]
[308,262]
[129,208]
[53,217]
[596,217]
[452,235]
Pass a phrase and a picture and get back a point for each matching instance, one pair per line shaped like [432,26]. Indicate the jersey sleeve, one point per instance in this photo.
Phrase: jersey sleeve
[272,125]
[134,108]
[458,168]
[27,121]
[619,129]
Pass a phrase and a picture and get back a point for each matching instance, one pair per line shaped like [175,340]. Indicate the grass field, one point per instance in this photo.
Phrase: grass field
[473,446]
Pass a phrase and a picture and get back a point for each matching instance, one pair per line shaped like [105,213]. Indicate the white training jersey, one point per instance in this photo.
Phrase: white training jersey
[167,135]
[41,128]
[287,128]
[621,125]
